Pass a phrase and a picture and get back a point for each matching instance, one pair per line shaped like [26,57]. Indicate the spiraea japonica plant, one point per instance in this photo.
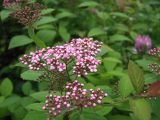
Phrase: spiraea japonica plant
[82,78]
[66,63]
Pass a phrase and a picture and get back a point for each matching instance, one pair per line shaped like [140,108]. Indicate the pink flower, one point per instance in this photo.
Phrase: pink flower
[61,67]
[79,51]
[76,97]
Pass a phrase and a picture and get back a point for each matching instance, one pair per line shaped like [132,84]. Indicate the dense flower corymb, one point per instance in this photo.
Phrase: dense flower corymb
[143,43]
[80,52]
[76,97]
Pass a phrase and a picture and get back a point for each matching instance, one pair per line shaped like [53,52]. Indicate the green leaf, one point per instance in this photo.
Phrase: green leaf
[141,109]
[40,96]
[144,63]
[27,88]
[100,110]
[118,37]
[6,87]
[64,33]
[26,101]
[110,63]
[121,27]
[37,41]
[19,113]
[35,106]
[5,14]
[46,35]
[31,75]
[88,4]
[96,32]
[119,14]
[133,35]
[9,101]
[45,20]
[105,49]
[103,15]
[86,116]
[45,26]
[36,115]
[125,86]
[19,40]
[155,103]
[119,117]
[47,11]
[64,14]
[2,98]
[136,76]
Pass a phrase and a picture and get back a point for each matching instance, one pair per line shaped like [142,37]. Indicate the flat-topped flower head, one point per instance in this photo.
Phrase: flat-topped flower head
[80,52]
[76,97]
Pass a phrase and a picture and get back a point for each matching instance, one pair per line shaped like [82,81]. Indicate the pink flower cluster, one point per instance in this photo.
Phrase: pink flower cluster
[75,97]
[79,51]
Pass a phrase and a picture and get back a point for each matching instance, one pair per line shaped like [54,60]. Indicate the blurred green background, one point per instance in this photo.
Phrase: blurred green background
[114,22]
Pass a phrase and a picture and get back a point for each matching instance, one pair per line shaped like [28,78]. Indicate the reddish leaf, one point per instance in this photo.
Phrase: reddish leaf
[153,90]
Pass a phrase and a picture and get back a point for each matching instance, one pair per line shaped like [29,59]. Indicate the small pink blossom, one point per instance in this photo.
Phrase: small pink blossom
[74,98]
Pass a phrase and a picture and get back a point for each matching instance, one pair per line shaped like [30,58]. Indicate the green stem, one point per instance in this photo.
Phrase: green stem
[37,41]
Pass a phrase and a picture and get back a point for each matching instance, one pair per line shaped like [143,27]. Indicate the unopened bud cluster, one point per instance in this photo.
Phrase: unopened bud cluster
[75,97]
[154,67]
[80,52]
[29,14]
[155,52]
[11,3]
[26,13]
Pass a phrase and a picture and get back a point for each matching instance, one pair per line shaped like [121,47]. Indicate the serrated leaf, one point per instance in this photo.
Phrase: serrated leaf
[19,40]
[125,86]
[88,4]
[31,75]
[45,20]
[118,37]
[35,106]
[141,109]
[40,96]
[46,35]
[136,76]
[96,32]
[47,11]
[64,14]
[6,87]
[64,33]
